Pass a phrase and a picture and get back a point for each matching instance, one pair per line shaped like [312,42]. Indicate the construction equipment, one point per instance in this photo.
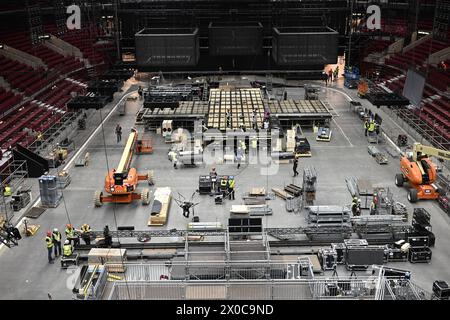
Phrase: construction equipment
[121,183]
[311,93]
[363,88]
[420,172]
[324,134]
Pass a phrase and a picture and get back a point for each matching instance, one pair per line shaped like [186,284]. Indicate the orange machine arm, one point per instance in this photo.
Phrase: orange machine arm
[128,152]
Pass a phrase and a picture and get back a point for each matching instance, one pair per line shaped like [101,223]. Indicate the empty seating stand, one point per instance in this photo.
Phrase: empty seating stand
[416,55]
[23,77]
[440,79]
[60,94]
[8,99]
[48,107]
[85,40]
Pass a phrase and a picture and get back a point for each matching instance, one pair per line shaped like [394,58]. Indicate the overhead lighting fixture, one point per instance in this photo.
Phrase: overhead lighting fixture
[1,46]
[45,37]
[423,32]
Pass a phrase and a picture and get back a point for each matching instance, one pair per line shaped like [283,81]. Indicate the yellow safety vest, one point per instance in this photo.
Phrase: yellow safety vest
[67,250]
[254,143]
[223,183]
[232,182]
[371,127]
[70,233]
[7,192]
[57,236]
[366,124]
[85,229]
[49,242]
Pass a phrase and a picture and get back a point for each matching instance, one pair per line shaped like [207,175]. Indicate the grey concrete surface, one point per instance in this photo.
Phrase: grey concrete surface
[26,274]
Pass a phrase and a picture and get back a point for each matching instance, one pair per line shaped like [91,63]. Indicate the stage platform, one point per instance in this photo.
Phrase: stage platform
[240,102]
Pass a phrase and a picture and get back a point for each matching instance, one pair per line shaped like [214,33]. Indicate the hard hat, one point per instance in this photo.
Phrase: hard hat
[49,233]
[55,230]
[85,225]
[67,242]
[69,225]
[359,200]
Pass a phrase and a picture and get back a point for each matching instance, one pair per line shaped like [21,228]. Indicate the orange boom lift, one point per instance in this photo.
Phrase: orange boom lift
[121,183]
[420,172]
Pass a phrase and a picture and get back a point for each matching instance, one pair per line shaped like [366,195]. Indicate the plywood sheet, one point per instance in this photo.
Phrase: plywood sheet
[164,197]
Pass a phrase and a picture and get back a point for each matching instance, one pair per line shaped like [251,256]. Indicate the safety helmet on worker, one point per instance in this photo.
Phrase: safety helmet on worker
[49,233]
[55,230]
[69,226]
[67,242]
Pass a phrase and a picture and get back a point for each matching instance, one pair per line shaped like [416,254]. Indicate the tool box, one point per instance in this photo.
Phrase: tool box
[327,258]
[419,250]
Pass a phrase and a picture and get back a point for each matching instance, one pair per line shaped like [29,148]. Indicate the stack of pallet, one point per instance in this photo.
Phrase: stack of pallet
[290,140]
[328,216]
[290,191]
[113,258]
[293,190]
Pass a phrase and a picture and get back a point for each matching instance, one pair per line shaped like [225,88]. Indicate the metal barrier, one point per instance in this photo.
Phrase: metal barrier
[302,289]
[216,270]
[287,281]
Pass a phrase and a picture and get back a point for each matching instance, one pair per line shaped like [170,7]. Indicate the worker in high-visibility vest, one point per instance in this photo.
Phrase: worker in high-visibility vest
[224,186]
[231,184]
[242,145]
[67,249]
[56,236]
[50,244]
[354,204]
[7,192]
[71,235]
[366,127]
[371,128]
[175,160]
[86,233]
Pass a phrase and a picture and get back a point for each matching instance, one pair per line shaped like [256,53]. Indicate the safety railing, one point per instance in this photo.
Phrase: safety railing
[250,280]
[302,289]
[215,270]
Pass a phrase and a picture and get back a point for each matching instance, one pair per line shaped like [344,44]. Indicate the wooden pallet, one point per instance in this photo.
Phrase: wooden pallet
[281,193]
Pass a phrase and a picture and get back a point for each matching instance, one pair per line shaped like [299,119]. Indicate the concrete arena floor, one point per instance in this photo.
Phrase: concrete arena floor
[25,270]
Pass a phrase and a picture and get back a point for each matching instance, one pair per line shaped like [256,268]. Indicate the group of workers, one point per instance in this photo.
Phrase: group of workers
[356,206]
[53,241]
[331,75]
[226,185]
